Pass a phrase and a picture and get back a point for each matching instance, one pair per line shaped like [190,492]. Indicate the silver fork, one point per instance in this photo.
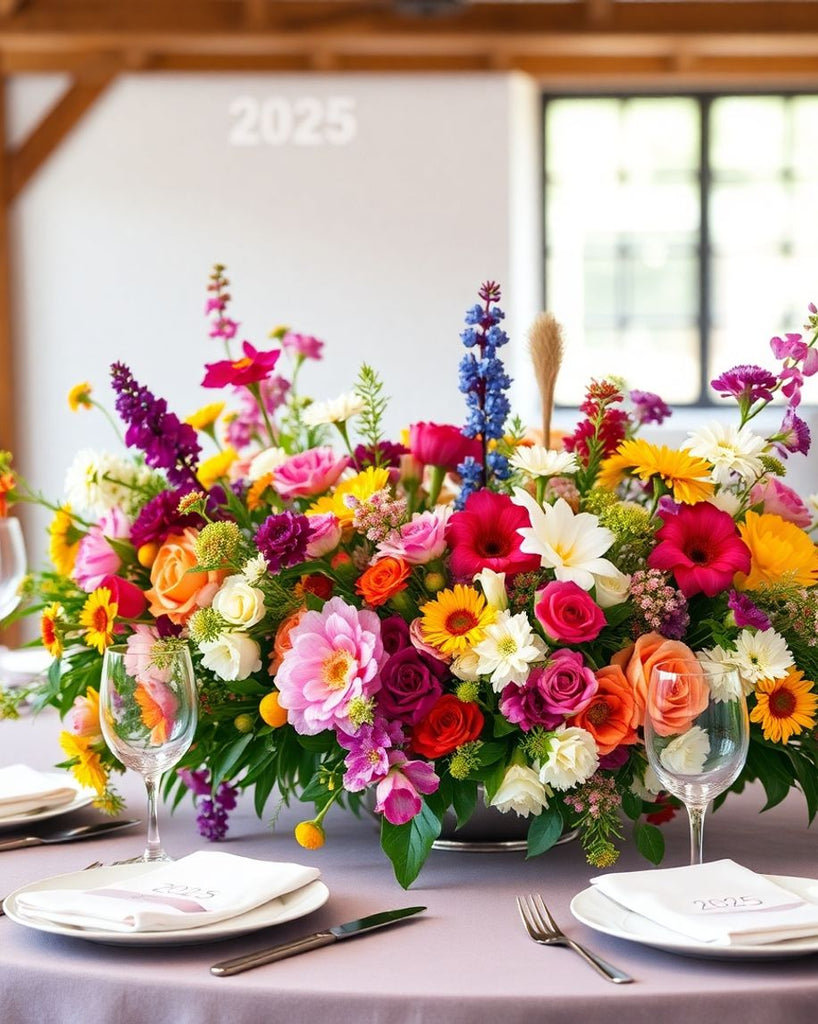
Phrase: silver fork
[93,864]
[542,928]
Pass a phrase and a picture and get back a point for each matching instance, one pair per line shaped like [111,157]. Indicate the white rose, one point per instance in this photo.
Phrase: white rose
[493,585]
[686,754]
[572,758]
[233,656]
[465,667]
[520,791]
[266,462]
[612,589]
[649,786]
[238,603]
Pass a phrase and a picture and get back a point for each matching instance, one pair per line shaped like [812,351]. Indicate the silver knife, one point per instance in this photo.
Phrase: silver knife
[314,941]
[68,835]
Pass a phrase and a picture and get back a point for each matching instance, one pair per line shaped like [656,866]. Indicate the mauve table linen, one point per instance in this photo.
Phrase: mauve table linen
[465,961]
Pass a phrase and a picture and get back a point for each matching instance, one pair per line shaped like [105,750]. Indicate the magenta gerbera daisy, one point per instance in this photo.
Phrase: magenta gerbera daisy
[701,546]
[484,534]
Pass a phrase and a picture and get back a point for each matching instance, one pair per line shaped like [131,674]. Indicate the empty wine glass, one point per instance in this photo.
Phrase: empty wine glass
[148,708]
[696,736]
[12,564]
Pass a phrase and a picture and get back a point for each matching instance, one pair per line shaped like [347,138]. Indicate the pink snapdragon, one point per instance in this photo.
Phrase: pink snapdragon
[96,559]
[398,795]
[419,541]
[309,473]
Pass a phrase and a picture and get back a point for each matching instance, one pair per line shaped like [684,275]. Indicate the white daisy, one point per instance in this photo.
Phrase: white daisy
[723,675]
[337,410]
[686,754]
[96,482]
[255,569]
[537,460]
[762,654]
[508,649]
[730,449]
[569,544]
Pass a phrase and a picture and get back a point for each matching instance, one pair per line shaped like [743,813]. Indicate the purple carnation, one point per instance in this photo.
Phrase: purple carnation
[747,383]
[411,683]
[746,613]
[617,757]
[159,517]
[649,408]
[282,539]
[395,634]
[525,706]
[793,435]
[387,454]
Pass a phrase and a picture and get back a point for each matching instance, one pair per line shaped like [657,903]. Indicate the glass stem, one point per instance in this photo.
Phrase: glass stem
[696,813]
[153,851]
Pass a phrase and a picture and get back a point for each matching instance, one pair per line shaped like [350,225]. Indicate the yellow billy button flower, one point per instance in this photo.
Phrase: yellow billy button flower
[79,397]
[243,722]
[146,555]
[215,468]
[98,616]
[456,620]
[271,711]
[310,835]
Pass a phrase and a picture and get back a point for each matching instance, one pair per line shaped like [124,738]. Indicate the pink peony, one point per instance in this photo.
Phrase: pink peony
[440,444]
[336,655]
[419,541]
[780,500]
[325,534]
[309,473]
[397,795]
[484,535]
[96,559]
[701,546]
[568,613]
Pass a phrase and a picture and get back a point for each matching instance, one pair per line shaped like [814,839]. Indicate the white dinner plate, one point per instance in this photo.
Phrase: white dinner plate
[82,799]
[602,914]
[286,908]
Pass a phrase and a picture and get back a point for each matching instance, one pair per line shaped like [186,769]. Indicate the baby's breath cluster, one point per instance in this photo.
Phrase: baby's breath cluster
[596,804]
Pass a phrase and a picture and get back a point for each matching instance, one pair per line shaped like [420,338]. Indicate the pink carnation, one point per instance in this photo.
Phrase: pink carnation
[419,541]
[308,473]
[336,655]
[96,559]
[780,500]
[325,534]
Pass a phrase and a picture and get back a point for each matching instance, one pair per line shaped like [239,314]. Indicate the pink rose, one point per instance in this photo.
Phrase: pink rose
[419,541]
[780,500]
[309,473]
[440,444]
[568,613]
[96,559]
[566,684]
[325,534]
[130,600]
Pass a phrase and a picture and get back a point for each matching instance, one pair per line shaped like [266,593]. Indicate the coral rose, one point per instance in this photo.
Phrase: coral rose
[449,725]
[652,651]
[177,590]
[609,715]
[382,580]
[282,642]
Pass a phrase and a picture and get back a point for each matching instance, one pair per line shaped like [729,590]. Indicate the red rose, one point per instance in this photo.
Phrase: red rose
[449,725]
[568,613]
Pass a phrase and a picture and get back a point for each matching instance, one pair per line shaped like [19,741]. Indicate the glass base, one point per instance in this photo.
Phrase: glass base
[149,857]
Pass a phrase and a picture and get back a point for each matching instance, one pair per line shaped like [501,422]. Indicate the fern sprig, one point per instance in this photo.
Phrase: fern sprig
[369,388]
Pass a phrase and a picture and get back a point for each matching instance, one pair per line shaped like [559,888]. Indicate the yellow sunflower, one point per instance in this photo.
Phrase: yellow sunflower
[64,541]
[215,468]
[79,397]
[685,475]
[785,707]
[456,620]
[98,616]
[204,418]
[361,486]
[780,551]
[87,768]
[50,629]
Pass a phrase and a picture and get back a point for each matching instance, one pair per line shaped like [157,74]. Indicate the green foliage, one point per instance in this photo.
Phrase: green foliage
[369,388]
[407,846]
[545,829]
[650,841]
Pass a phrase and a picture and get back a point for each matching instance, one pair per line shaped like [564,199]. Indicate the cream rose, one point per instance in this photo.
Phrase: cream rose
[520,791]
[233,656]
[238,603]
[572,758]
[611,589]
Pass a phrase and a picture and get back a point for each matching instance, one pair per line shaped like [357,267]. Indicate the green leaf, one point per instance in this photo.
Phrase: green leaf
[263,788]
[490,753]
[632,804]
[769,766]
[805,772]
[544,831]
[464,800]
[408,846]
[226,760]
[441,800]
[502,727]
[650,842]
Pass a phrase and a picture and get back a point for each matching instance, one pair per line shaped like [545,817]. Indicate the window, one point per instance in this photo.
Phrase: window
[681,233]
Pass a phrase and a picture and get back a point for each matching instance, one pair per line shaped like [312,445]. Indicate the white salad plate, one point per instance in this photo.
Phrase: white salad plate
[82,799]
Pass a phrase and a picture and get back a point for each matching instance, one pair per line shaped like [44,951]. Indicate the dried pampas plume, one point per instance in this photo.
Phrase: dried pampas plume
[546,347]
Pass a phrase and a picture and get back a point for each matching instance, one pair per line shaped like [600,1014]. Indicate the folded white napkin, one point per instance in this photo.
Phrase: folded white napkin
[721,903]
[22,790]
[197,890]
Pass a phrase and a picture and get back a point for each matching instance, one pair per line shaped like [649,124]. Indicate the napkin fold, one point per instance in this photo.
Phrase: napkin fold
[720,902]
[22,790]
[200,889]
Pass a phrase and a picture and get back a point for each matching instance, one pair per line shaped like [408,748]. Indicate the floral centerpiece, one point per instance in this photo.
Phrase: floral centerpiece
[465,613]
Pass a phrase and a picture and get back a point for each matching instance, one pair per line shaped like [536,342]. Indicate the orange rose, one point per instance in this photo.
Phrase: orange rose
[175,590]
[282,642]
[609,715]
[651,651]
[383,580]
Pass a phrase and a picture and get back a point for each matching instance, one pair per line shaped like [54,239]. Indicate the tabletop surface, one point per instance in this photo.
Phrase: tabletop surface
[466,959]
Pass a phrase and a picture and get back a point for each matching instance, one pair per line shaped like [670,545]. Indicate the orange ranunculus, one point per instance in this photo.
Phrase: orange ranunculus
[609,716]
[650,651]
[382,580]
[282,642]
[176,591]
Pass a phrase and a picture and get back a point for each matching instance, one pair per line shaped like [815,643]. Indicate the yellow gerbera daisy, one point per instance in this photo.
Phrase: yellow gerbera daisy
[79,397]
[257,490]
[64,541]
[87,768]
[98,616]
[50,630]
[215,468]
[785,707]
[685,475]
[204,418]
[780,550]
[361,486]
[456,620]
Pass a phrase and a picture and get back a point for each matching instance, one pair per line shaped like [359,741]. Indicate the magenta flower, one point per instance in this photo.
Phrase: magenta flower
[336,655]
[568,613]
[485,534]
[566,683]
[96,559]
[419,541]
[525,705]
[283,539]
[701,546]
[303,345]
[441,444]
[746,613]
[398,798]
[368,757]
[309,473]
[793,435]
[325,534]
[395,634]
[252,367]
[793,346]
[747,383]
[649,408]
[411,683]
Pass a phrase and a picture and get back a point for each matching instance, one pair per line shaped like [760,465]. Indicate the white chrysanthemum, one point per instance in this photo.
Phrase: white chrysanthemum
[725,501]
[521,791]
[571,545]
[96,482]
[572,758]
[686,754]
[723,675]
[266,462]
[649,786]
[255,569]
[762,654]
[493,585]
[337,410]
[730,449]
[508,649]
[537,460]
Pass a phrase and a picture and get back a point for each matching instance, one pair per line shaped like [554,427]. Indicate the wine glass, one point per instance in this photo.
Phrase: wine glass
[12,564]
[148,706]
[696,737]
